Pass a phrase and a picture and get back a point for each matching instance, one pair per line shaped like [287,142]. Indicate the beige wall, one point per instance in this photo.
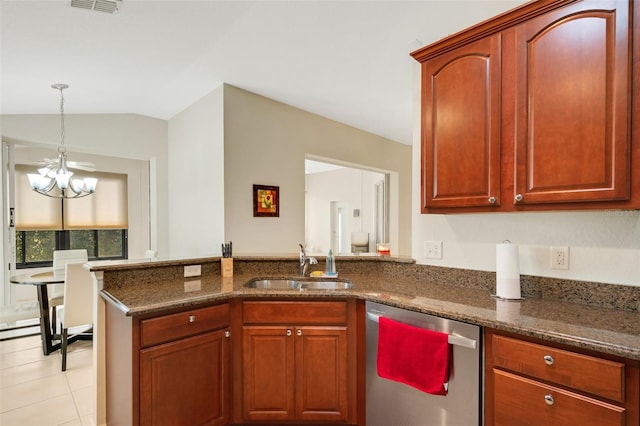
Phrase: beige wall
[196,187]
[266,143]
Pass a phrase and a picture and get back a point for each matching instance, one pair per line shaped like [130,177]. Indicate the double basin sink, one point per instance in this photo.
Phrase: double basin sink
[301,284]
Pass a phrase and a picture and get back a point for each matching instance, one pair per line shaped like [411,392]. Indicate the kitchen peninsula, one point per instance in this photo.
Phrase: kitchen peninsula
[143,299]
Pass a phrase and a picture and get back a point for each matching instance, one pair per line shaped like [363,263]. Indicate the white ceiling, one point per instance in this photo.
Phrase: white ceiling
[345,60]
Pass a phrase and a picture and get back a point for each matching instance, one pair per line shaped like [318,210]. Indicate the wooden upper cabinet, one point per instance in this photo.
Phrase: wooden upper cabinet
[461,127]
[573,104]
[534,109]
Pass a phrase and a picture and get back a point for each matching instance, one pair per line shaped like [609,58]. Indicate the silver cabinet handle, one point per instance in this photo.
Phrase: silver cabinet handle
[518,197]
[299,332]
[288,332]
[492,200]
[227,333]
[549,399]
[192,318]
[548,359]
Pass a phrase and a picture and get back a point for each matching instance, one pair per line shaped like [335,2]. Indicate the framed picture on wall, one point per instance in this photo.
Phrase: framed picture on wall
[266,201]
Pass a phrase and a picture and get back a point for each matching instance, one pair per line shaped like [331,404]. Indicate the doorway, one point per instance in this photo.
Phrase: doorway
[340,229]
[342,199]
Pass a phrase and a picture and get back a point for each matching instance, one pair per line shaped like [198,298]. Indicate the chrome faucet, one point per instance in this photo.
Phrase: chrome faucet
[305,262]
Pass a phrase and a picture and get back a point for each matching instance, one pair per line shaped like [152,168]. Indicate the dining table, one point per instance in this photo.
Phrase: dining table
[40,280]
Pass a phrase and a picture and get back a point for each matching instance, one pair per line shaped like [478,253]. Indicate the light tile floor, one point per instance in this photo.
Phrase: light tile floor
[34,390]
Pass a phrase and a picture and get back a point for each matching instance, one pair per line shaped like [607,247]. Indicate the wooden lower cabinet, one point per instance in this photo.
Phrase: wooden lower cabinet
[283,362]
[295,373]
[532,382]
[170,368]
[185,381]
[296,366]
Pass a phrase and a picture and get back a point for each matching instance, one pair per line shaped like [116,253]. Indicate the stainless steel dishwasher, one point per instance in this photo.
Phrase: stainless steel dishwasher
[390,403]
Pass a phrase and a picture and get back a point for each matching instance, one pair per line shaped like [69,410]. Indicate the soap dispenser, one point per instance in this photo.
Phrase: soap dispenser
[330,268]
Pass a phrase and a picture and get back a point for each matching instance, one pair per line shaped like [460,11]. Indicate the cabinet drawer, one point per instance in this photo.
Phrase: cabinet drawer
[596,376]
[290,312]
[521,401]
[182,324]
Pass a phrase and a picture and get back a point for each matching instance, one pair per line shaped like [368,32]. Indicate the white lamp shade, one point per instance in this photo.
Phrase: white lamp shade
[38,181]
[90,184]
[62,179]
[77,185]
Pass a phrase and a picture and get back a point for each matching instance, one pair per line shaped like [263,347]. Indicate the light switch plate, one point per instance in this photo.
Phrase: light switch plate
[559,258]
[192,271]
[192,285]
[433,249]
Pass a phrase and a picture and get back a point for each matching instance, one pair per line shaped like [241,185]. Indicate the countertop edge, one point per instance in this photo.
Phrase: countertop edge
[627,352]
[122,265]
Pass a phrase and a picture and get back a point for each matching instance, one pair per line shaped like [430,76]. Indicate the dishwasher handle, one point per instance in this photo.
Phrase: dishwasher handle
[454,339]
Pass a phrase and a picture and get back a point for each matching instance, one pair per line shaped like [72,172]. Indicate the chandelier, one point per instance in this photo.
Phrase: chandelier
[57,173]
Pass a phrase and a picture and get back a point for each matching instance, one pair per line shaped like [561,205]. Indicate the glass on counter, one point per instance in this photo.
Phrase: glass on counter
[383,249]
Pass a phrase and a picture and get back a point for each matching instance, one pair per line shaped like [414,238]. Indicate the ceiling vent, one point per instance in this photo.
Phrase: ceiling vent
[106,6]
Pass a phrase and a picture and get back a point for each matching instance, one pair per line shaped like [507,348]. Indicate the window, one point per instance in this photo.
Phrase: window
[35,248]
[97,223]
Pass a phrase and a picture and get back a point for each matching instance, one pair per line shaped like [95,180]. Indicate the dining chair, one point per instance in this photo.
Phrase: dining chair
[78,303]
[56,291]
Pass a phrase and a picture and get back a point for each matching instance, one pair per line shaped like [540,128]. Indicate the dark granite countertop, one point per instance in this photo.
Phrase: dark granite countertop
[140,289]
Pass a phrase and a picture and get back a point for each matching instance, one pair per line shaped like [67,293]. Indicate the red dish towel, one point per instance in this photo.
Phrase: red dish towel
[413,356]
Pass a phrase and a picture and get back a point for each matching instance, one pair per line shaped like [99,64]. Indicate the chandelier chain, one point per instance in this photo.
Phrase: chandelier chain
[61,149]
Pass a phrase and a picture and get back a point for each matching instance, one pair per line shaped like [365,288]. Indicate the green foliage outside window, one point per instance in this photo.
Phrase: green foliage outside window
[35,248]
[110,243]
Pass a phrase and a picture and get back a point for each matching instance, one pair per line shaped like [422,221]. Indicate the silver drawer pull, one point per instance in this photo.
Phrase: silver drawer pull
[518,197]
[549,399]
[192,318]
[288,332]
[548,359]
[492,200]
[299,332]
[227,333]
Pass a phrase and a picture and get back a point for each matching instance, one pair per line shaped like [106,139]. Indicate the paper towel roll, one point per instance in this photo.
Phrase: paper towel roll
[508,311]
[507,271]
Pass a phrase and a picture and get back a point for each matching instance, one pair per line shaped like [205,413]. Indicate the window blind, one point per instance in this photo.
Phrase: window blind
[105,209]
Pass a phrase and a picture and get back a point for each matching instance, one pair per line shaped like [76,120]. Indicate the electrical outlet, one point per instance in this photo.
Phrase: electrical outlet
[433,249]
[192,271]
[559,257]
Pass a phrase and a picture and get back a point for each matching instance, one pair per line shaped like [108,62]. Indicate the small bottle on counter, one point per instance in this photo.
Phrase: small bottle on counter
[330,268]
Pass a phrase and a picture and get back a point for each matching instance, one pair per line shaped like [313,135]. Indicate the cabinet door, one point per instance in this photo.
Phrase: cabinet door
[268,378]
[186,381]
[573,105]
[321,374]
[461,127]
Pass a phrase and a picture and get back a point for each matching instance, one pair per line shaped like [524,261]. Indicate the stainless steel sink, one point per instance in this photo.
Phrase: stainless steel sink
[299,284]
[326,285]
[278,284]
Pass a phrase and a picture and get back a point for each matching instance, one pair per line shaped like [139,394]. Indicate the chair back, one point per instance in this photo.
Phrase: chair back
[61,258]
[78,296]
